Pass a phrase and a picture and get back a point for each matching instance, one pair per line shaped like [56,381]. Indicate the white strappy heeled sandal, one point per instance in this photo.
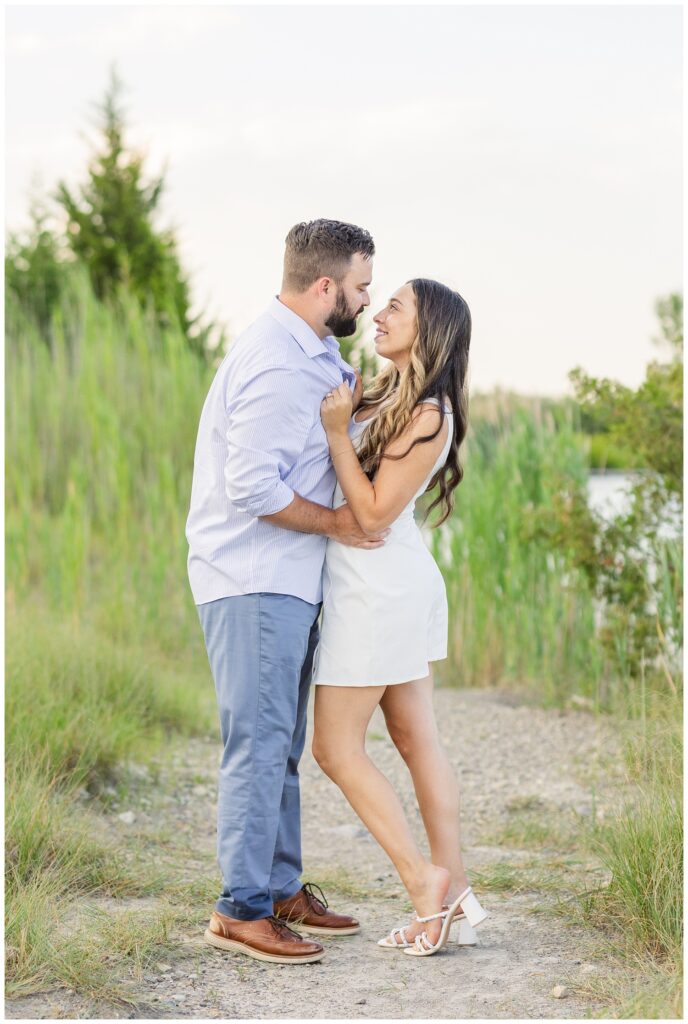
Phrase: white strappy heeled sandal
[390,941]
[466,932]
[471,910]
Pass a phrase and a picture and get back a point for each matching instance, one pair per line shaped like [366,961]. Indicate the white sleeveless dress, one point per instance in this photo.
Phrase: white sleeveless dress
[384,614]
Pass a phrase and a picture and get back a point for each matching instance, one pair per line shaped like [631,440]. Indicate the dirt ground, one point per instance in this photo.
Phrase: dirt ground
[530,778]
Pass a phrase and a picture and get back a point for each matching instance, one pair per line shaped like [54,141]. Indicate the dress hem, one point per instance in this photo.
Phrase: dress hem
[386,682]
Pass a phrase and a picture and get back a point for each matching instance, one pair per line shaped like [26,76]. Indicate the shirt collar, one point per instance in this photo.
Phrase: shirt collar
[302,332]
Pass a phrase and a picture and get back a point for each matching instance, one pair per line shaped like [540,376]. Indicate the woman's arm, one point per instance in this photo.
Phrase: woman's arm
[375,505]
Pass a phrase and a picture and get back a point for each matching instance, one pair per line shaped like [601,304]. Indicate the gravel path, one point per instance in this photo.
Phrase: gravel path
[527,777]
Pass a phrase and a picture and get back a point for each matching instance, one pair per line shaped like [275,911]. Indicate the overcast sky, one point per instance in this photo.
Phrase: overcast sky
[529,157]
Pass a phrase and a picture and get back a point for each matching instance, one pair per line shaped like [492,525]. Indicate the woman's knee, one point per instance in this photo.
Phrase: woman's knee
[340,724]
[403,739]
[327,754]
[413,738]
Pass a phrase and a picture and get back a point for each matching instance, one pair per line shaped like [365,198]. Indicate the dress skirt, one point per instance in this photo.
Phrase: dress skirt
[384,614]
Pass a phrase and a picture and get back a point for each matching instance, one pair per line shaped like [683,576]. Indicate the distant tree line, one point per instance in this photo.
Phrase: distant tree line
[648,421]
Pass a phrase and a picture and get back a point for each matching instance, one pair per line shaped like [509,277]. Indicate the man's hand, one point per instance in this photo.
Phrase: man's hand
[347,531]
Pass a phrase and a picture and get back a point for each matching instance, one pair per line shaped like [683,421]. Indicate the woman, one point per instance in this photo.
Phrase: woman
[385,610]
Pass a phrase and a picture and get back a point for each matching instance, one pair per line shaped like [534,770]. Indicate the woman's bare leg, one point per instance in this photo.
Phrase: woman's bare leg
[342,714]
[410,718]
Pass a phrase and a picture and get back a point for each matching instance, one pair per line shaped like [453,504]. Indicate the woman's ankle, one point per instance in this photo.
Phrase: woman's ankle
[458,884]
[424,887]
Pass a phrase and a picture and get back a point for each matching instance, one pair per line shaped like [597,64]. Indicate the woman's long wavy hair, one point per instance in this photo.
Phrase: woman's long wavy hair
[437,368]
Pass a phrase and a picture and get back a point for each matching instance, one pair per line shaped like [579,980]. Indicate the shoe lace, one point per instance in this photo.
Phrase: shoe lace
[319,903]
[280,927]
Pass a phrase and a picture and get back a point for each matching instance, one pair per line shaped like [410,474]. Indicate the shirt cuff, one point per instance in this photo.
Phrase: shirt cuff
[278,499]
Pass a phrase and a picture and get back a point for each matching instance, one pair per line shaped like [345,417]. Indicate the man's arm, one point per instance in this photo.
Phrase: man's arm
[340,523]
[267,432]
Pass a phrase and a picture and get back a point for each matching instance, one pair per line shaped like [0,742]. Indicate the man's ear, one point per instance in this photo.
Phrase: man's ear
[325,287]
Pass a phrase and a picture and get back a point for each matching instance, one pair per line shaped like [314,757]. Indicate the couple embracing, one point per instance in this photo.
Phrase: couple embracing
[307,567]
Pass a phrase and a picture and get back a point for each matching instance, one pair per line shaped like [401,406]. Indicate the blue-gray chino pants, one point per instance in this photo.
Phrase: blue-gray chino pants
[260,648]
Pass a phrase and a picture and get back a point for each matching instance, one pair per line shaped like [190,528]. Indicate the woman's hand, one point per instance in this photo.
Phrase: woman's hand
[335,410]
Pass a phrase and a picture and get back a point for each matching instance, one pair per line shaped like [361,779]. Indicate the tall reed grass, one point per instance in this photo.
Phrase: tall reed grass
[100,432]
[104,654]
[521,613]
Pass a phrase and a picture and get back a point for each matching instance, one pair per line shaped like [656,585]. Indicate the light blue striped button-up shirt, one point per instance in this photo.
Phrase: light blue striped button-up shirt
[260,440]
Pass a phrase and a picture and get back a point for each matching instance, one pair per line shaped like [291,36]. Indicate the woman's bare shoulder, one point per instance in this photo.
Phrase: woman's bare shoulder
[425,419]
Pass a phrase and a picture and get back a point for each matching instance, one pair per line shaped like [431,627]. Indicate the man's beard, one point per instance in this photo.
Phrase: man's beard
[341,321]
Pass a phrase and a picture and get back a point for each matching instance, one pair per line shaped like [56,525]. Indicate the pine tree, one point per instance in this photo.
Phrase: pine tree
[35,266]
[110,228]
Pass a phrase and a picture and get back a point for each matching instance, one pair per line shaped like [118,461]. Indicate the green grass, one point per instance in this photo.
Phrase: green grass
[503,878]
[51,860]
[642,848]
[101,436]
[623,873]
[641,992]
[527,830]
[77,703]
[101,956]
[104,660]
[521,615]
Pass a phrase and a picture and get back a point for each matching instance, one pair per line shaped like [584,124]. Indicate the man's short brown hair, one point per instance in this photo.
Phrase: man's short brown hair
[322,248]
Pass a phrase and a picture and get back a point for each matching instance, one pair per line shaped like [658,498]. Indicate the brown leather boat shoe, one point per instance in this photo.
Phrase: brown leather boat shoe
[265,939]
[310,913]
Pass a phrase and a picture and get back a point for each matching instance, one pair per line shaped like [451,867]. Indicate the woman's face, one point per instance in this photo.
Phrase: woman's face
[397,327]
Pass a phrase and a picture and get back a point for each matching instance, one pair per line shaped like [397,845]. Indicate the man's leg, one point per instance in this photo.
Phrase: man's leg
[285,879]
[256,644]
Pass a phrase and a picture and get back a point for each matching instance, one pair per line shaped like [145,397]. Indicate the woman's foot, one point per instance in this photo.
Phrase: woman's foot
[457,885]
[429,896]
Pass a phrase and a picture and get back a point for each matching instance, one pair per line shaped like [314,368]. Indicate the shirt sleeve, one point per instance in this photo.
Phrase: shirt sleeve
[268,424]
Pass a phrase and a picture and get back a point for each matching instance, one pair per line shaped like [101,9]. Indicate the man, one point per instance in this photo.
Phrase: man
[260,515]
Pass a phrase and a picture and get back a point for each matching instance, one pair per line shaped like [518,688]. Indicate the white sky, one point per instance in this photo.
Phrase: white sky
[528,156]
